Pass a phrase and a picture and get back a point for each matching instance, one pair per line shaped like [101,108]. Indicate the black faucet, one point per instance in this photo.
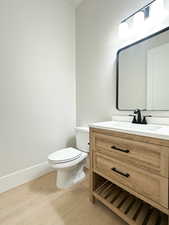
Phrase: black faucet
[138,119]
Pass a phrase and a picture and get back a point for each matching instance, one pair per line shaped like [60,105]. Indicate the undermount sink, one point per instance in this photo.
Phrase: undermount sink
[150,130]
[132,126]
[159,131]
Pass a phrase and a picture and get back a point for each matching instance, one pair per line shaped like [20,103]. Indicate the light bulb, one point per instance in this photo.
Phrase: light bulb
[138,19]
[157,8]
[123,29]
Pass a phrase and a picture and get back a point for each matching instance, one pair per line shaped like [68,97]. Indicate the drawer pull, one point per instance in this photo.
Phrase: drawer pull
[119,149]
[121,173]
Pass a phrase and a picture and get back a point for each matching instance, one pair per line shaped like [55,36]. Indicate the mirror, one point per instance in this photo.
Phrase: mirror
[143,74]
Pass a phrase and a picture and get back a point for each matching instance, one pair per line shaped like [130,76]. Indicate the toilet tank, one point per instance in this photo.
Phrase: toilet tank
[82,138]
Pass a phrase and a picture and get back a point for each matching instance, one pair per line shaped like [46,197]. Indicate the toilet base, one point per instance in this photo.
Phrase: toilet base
[67,177]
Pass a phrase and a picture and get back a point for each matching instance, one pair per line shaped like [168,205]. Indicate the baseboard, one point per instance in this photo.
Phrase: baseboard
[23,176]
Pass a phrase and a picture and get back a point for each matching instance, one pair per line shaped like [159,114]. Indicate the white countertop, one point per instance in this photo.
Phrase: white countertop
[150,130]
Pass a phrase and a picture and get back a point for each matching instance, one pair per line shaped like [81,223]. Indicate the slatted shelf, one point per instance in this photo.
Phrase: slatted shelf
[131,209]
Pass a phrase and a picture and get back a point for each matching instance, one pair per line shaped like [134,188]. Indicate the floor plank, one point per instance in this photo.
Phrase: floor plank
[40,203]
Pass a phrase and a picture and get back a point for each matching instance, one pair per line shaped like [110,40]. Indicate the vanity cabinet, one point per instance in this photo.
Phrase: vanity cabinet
[130,175]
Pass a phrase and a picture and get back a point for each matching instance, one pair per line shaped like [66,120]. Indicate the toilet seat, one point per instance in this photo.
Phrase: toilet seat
[64,155]
[70,164]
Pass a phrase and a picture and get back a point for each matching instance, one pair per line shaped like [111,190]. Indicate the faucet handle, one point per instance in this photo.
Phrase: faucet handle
[134,118]
[144,121]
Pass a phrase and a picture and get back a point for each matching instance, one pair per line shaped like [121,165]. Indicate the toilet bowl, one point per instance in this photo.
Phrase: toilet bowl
[69,162]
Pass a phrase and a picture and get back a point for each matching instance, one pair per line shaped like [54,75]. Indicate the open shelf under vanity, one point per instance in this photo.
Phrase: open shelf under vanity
[130,175]
[131,209]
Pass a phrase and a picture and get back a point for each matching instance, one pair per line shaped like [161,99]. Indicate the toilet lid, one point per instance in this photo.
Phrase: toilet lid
[64,155]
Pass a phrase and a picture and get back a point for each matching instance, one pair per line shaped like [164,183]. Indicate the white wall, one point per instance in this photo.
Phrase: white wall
[37,81]
[97,41]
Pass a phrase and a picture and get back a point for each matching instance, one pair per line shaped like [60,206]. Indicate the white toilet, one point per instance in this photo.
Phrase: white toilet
[70,162]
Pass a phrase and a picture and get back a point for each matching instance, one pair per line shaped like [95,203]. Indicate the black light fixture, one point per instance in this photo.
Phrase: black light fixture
[145,10]
[137,19]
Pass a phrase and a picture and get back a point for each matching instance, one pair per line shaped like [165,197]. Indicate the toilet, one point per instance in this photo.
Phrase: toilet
[70,162]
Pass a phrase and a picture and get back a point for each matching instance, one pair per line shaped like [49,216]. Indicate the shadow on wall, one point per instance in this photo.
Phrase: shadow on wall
[71,142]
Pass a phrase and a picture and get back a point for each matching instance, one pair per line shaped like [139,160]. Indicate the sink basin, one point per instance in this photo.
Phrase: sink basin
[151,130]
[132,126]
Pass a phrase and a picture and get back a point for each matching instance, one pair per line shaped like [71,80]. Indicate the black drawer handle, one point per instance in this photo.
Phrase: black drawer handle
[119,149]
[121,173]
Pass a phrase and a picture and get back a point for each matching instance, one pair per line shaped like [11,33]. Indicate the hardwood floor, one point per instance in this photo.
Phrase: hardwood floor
[41,203]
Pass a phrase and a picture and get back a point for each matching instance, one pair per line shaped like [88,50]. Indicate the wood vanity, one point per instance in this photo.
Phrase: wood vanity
[130,175]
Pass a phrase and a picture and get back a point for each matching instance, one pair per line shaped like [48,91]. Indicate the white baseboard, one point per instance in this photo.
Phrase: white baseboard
[23,176]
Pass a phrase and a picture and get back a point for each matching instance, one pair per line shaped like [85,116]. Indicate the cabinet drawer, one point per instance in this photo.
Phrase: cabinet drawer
[150,157]
[151,186]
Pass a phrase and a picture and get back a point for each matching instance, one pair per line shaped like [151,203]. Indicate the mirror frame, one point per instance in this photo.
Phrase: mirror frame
[117,66]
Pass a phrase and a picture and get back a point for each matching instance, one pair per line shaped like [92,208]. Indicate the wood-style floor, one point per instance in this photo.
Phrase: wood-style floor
[40,203]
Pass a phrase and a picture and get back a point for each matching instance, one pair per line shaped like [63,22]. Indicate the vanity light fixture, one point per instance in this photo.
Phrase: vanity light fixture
[137,19]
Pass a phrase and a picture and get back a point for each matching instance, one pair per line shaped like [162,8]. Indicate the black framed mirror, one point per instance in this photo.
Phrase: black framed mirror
[143,74]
